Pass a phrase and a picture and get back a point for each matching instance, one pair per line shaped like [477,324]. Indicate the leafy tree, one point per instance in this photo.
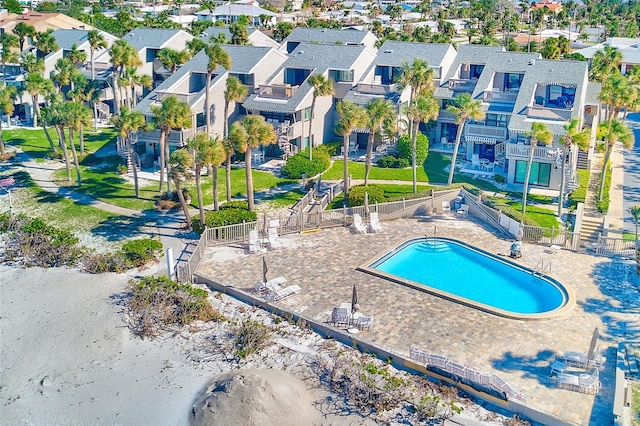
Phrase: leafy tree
[247,134]
[7,93]
[322,86]
[611,132]
[7,55]
[171,114]
[235,92]
[125,124]
[381,120]
[352,116]
[22,31]
[13,6]
[172,59]
[464,109]
[180,162]
[422,109]
[539,133]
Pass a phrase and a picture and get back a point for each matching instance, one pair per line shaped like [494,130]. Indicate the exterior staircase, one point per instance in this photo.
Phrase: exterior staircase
[571,180]
[591,230]
[282,131]
[583,160]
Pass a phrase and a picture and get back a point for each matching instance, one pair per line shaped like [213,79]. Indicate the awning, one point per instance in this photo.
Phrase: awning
[478,139]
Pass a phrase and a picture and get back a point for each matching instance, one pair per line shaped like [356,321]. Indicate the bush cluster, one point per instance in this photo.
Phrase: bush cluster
[168,202]
[393,162]
[300,164]
[157,304]
[250,337]
[356,195]
[603,203]
[229,214]
[422,148]
[141,251]
[333,148]
[508,211]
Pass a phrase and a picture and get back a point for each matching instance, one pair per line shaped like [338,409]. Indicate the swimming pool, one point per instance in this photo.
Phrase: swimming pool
[465,274]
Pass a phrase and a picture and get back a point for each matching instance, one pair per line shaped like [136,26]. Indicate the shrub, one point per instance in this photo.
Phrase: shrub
[99,263]
[227,215]
[122,169]
[579,195]
[499,178]
[300,164]
[142,250]
[356,195]
[250,337]
[392,162]
[422,148]
[237,204]
[332,148]
[603,203]
[157,303]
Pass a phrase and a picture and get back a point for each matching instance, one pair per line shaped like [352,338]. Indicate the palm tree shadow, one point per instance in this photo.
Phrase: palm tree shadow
[120,228]
[530,367]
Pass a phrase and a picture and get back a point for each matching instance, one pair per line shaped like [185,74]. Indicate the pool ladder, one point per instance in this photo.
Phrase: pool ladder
[541,267]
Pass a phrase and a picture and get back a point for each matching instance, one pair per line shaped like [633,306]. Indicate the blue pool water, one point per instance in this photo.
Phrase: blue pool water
[467,273]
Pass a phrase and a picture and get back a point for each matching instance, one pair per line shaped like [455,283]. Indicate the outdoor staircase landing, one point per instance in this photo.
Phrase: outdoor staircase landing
[591,229]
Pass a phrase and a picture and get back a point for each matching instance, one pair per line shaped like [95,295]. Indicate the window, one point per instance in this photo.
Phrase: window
[341,75]
[295,76]
[540,173]
[307,113]
[513,81]
[475,70]
[388,74]
[496,120]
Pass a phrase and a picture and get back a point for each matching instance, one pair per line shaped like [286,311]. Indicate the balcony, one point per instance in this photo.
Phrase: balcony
[462,85]
[496,95]
[277,91]
[477,130]
[375,89]
[547,113]
[186,98]
[540,153]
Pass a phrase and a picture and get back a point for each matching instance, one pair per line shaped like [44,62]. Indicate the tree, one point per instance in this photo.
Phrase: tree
[464,108]
[381,119]
[45,42]
[352,116]
[7,55]
[611,132]
[422,109]
[7,93]
[539,133]
[180,162]
[634,211]
[247,134]
[322,86]
[604,63]
[239,33]
[172,59]
[37,85]
[56,115]
[235,92]
[195,45]
[96,42]
[76,56]
[22,31]
[282,30]
[78,116]
[63,73]
[172,114]
[125,124]
[123,55]
[418,76]
[574,136]
[217,57]
[617,92]
[200,145]
[31,64]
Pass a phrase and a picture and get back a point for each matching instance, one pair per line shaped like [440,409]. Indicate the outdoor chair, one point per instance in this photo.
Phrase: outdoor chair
[364,323]
[574,359]
[273,239]
[446,208]
[283,293]
[255,242]
[475,162]
[374,222]
[353,149]
[463,211]
[358,224]
[340,317]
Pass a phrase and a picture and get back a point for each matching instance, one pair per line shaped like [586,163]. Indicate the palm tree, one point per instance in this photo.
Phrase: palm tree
[604,63]
[78,116]
[201,145]
[465,108]
[56,114]
[125,124]
[123,55]
[235,92]
[172,114]
[7,94]
[45,42]
[195,46]
[418,76]
[76,56]
[247,134]
[617,92]
[539,133]
[180,162]
[171,59]
[612,131]
[352,116]
[7,55]
[322,86]
[96,42]
[574,136]
[634,211]
[37,85]
[422,109]
[30,63]
[63,73]
[217,57]
[22,31]
[381,118]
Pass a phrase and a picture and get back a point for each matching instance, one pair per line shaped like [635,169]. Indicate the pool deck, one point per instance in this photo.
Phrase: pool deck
[324,265]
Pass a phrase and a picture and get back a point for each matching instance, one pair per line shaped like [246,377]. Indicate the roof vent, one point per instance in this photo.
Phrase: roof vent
[531,62]
[388,51]
[301,52]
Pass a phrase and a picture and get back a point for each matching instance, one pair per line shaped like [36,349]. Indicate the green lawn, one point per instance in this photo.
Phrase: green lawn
[34,142]
[542,216]
[635,407]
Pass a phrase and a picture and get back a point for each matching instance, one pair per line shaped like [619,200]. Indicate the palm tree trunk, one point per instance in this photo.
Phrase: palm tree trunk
[166,159]
[313,106]
[525,188]
[183,202]
[207,103]
[2,149]
[367,163]
[199,193]
[414,167]
[249,176]
[603,174]
[95,116]
[136,185]
[81,138]
[228,177]
[214,174]
[116,93]
[65,153]
[456,147]
[345,157]
[162,159]
[75,156]
[563,169]
[36,114]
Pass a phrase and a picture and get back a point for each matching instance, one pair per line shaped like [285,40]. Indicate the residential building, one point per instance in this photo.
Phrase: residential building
[629,48]
[252,65]
[41,21]
[255,36]
[327,36]
[286,99]
[231,12]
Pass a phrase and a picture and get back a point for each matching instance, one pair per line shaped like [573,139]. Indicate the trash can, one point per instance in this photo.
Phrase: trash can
[457,202]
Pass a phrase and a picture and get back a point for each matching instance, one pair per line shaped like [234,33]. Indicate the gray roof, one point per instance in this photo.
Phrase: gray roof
[67,38]
[154,38]
[244,58]
[315,57]
[326,36]
[237,10]
[394,53]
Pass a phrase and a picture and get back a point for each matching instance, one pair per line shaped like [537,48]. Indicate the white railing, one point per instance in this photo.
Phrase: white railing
[499,133]
[540,152]
[616,247]
[499,96]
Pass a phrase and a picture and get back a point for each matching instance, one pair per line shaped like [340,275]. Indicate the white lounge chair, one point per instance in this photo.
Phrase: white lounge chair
[358,224]
[475,162]
[274,239]
[283,293]
[463,211]
[255,243]
[446,208]
[374,222]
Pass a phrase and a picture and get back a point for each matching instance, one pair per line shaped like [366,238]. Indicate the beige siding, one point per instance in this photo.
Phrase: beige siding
[179,41]
[267,66]
[216,96]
